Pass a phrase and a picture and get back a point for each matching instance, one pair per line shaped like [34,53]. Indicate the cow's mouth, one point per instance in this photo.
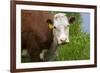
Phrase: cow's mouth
[63,43]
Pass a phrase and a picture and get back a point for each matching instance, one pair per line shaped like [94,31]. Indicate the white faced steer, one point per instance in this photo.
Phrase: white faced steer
[61,31]
[61,35]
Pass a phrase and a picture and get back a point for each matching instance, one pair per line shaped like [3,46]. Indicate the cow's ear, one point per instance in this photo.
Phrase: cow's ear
[50,24]
[49,21]
[71,19]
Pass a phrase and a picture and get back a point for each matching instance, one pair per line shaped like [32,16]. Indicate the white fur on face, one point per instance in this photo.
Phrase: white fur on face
[61,31]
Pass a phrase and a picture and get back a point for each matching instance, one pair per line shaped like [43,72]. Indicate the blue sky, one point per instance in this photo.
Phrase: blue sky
[85,22]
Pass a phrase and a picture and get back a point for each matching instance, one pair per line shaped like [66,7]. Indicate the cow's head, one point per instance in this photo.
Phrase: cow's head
[61,27]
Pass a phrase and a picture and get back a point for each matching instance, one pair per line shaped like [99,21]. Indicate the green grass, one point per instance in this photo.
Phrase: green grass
[77,49]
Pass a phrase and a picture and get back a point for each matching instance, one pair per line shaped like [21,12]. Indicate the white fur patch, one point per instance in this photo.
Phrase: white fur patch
[62,28]
[43,53]
[24,52]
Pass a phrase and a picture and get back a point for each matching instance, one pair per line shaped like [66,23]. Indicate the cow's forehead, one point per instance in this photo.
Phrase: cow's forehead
[63,20]
[60,14]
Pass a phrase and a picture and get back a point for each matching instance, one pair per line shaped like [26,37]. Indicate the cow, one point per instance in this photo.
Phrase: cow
[41,32]
[60,28]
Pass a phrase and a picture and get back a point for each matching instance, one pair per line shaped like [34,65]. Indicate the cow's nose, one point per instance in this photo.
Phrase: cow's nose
[63,40]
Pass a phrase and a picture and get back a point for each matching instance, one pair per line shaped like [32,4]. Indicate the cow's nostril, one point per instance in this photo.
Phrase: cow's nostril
[63,40]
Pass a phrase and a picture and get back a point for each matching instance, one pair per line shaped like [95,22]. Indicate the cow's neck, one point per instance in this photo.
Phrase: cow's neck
[54,43]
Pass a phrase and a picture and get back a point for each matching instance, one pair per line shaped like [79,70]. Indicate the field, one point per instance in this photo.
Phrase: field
[79,46]
[77,49]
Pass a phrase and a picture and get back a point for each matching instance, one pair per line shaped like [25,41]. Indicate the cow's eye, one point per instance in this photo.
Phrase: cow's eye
[54,27]
[68,25]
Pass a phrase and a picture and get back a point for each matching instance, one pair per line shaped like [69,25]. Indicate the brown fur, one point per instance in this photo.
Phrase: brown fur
[35,34]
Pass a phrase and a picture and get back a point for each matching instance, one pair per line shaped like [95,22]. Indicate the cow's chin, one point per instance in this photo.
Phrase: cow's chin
[62,43]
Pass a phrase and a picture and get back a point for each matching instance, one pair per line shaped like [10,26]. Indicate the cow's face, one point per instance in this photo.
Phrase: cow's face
[61,28]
